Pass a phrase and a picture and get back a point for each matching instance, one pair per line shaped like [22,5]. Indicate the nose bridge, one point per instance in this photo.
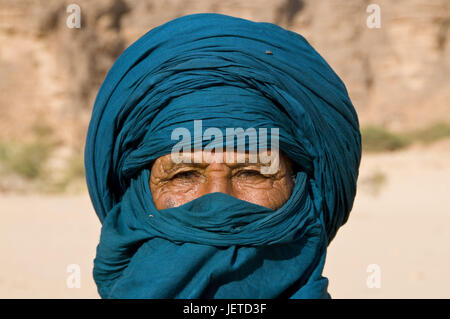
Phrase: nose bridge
[218,179]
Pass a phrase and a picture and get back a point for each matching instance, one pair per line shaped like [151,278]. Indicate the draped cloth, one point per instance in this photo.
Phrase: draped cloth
[228,72]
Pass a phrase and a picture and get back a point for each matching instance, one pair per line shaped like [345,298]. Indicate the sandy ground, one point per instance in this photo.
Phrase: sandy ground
[400,222]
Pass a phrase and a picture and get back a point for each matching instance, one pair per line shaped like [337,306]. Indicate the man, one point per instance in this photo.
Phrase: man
[221,157]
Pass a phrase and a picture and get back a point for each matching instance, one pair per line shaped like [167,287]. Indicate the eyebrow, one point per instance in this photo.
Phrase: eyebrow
[182,164]
[205,164]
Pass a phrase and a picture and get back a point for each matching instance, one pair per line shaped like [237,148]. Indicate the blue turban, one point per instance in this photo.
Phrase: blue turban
[227,72]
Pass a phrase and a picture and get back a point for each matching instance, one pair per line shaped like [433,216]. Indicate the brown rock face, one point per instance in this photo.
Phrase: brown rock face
[397,75]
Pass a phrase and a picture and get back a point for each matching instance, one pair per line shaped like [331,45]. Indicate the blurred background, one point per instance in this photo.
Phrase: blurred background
[396,243]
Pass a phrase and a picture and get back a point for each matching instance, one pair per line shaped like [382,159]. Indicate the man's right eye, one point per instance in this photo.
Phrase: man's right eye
[185,175]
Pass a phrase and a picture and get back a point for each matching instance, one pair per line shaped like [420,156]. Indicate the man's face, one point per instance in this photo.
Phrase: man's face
[174,184]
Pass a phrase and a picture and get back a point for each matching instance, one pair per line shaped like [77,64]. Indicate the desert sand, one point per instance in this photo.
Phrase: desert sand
[400,222]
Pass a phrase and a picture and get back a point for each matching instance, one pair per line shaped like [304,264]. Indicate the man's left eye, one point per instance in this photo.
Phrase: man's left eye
[249,173]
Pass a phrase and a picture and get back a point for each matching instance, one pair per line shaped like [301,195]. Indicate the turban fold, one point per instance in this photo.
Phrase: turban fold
[228,72]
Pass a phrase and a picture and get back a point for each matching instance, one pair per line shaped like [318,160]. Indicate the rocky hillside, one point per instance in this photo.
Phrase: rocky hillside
[397,75]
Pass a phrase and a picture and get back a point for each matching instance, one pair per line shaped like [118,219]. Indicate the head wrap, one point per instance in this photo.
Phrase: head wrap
[227,72]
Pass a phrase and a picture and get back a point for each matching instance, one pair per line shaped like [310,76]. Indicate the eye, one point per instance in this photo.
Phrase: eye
[249,173]
[186,175]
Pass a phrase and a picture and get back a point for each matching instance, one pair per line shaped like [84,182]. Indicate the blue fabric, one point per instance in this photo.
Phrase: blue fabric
[228,72]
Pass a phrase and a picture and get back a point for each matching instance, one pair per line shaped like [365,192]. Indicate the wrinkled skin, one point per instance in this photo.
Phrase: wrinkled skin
[174,184]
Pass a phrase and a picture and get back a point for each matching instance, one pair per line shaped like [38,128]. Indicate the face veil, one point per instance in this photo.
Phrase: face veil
[227,72]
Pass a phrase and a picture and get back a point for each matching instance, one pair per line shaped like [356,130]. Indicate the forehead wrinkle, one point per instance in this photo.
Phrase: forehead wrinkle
[168,165]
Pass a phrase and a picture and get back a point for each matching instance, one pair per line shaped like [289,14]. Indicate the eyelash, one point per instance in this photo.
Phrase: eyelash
[250,172]
[184,174]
